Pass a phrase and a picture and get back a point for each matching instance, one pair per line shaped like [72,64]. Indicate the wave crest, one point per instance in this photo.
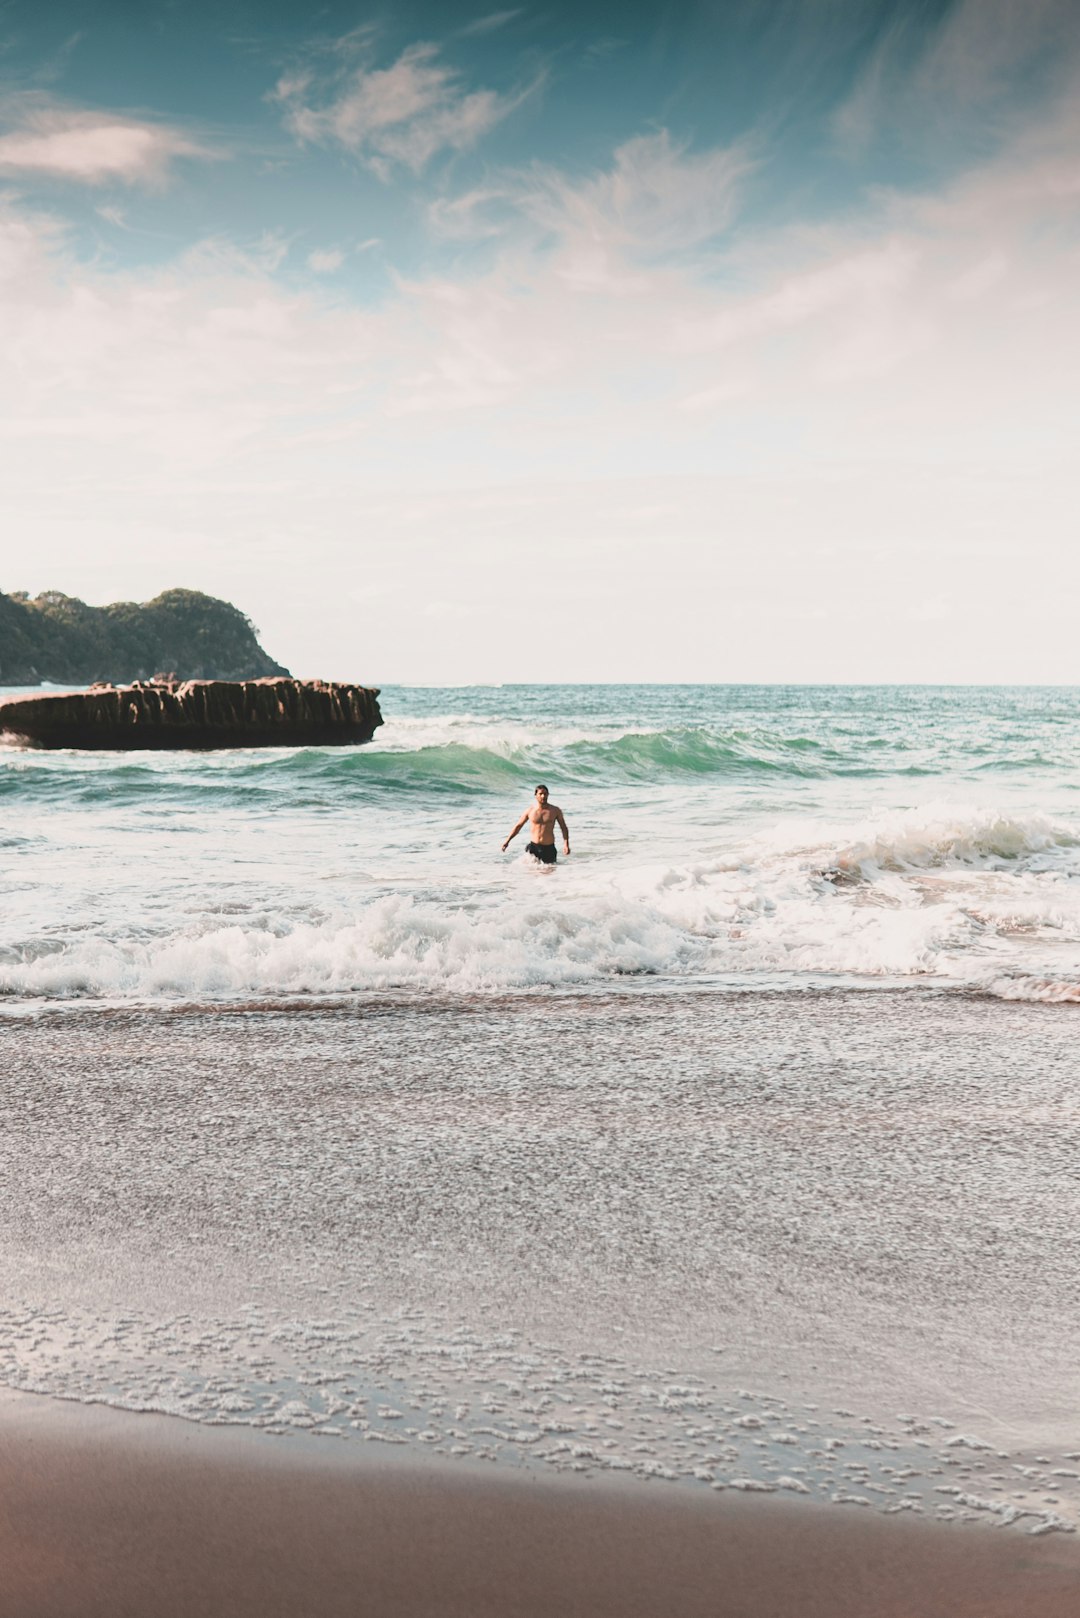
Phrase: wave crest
[1041,991]
[394,942]
[940,836]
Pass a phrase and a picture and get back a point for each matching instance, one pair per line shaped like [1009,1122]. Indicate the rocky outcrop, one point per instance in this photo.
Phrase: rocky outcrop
[197,714]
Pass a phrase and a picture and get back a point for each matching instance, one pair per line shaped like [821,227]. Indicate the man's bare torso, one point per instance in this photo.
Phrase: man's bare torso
[542,818]
[542,822]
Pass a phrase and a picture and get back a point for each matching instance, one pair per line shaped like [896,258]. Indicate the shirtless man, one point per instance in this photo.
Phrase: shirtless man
[543,817]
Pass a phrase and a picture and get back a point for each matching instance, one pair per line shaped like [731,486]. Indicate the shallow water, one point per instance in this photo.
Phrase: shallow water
[745,836]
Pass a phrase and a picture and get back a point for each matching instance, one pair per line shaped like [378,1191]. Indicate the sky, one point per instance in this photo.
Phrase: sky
[719,341]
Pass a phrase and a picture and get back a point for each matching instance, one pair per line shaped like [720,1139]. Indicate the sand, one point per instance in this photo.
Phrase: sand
[114,1514]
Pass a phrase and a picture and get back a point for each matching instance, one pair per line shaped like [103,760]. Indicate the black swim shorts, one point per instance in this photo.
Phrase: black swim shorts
[544,852]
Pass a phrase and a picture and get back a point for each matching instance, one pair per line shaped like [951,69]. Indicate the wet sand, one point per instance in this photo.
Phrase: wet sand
[140,1516]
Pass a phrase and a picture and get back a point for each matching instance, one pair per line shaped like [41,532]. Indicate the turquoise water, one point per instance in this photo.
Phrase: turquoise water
[735,836]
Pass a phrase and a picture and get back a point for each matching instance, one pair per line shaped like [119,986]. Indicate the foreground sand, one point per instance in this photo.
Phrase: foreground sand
[103,1513]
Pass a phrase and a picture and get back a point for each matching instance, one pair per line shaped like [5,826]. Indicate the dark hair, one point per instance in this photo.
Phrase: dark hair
[540,788]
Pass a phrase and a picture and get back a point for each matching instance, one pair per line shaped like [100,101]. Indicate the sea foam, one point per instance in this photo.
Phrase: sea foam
[962,897]
[392,942]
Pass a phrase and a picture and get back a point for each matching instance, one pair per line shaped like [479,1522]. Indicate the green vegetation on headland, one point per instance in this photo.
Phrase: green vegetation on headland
[59,638]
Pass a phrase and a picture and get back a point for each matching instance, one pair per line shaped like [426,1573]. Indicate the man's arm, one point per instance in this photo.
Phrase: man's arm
[515,831]
[561,823]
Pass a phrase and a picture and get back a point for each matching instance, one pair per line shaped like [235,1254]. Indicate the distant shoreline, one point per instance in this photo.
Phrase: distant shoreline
[59,640]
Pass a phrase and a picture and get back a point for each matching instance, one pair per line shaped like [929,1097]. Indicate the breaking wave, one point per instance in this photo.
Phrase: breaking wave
[393,942]
[487,757]
[447,758]
[961,898]
[941,835]
[736,836]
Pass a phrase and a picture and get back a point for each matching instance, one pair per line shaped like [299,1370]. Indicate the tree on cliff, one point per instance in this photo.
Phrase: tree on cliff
[59,638]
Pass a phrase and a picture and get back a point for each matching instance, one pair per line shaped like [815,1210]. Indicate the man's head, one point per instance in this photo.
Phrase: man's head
[541,796]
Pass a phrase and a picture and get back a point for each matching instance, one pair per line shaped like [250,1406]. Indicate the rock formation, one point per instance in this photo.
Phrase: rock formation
[197,714]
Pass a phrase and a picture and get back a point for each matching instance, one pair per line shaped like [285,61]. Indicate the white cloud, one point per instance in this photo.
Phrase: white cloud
[401,115]
[325,260]
[656,195]
[88,147]
[772,462]
[656,201]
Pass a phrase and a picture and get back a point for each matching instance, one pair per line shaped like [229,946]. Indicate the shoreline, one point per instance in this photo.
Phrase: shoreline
[109,1513]
[706,1265]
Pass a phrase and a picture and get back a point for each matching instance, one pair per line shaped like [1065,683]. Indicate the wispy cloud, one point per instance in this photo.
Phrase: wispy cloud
[55,66]
[472,215]
[983,61]
[656,194]
[260,257]
[848,283]
[985,45]
[325,260]
[656,199]
[88,147]
[396,116]
[494,20]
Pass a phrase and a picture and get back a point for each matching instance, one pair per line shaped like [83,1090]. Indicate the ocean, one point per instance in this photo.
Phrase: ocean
[735,837]
[739,1150]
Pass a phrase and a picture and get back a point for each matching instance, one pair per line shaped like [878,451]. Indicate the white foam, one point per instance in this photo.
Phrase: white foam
[937,835]
[393,941]
[1045,990]
[960,895]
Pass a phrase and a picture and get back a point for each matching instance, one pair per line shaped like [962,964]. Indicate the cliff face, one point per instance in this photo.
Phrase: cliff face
[197,714]
[59,638]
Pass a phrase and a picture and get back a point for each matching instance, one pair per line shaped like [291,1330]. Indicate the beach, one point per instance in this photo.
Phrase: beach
[102,1514]
[742,1257]
[710,1199]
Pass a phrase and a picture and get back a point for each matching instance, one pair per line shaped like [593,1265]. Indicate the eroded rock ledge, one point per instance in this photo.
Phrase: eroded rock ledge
[197,714]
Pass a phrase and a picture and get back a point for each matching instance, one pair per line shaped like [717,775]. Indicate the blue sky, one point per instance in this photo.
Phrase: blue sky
[721,341]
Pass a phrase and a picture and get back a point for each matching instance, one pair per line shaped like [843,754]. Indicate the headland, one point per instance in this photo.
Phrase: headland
[58,638]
